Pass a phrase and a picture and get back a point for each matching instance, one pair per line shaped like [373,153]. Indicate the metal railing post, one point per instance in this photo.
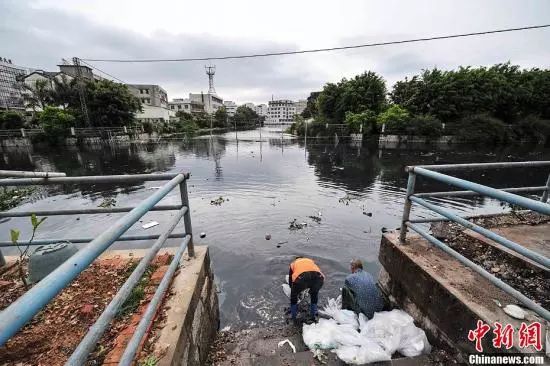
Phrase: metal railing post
[187,218]
[544,197]
[407,208]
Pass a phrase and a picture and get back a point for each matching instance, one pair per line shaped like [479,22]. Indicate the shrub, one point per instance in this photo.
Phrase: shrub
[147,127]
[482,128]
[56,123]
[367,119]
[395,118]
[425,125]
[11,120]
[533,128]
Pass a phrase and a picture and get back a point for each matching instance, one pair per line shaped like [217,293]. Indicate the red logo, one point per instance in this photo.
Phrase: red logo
[530,335]
[478,334]
[503,336]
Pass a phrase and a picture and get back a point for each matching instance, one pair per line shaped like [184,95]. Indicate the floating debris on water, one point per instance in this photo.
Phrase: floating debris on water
[267,236]
[218,201]
[294,225]
[317,219]
[369,214]
[203,235]
[107,202]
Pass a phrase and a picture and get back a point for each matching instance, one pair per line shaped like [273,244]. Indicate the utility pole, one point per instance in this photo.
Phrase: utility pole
[81,94]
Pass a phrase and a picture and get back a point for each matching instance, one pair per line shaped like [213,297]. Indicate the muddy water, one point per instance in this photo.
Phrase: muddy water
[265,185]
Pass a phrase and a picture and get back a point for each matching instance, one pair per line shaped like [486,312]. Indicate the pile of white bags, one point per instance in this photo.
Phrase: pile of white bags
[356,340]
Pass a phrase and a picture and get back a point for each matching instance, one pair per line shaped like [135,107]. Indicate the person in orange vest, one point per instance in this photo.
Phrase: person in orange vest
[304,274]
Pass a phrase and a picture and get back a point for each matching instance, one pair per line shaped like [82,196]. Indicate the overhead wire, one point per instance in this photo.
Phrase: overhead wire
[329,49]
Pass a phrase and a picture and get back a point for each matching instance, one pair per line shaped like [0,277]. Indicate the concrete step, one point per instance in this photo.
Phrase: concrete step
[258,347]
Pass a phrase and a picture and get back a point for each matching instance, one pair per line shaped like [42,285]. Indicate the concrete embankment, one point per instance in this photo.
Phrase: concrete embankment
[447,299]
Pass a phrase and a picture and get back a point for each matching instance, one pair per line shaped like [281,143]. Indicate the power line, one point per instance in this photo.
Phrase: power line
[93,67]
[414,40]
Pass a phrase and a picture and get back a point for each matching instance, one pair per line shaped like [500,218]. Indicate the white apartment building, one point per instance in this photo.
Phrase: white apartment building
[300,106]
[261,110]
[154,102]
[211,102]
[230,107]
[280,112]
[185,105]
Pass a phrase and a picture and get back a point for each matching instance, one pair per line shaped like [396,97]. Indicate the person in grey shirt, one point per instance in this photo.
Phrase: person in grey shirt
[360,292]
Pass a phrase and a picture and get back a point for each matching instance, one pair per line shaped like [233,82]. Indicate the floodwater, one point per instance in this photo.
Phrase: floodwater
[357,191]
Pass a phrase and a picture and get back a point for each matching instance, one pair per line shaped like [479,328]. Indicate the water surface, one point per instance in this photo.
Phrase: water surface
[266,183]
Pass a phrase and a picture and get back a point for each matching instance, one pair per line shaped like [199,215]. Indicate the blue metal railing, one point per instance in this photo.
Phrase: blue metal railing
[503,195]
[28,305]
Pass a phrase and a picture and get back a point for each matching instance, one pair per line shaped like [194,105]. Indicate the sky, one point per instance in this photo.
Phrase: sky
[38,34]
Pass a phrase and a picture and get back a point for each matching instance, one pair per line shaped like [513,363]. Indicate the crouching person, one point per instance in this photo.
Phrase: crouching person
[304,274]
[360,292]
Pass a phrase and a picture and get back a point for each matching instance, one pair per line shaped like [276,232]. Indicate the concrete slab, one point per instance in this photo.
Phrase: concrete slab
[533,237]
[445,297]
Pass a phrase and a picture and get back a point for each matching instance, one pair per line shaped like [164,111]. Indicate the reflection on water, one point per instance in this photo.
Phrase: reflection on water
[268,182]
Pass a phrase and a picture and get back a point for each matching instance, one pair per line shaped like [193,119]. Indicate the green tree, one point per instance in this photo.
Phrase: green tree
[367,119]
[245,117]
[364,92]
[38,95]
[111,104]
[56,123]
[311,105]
[395,118]
[65,93]
[11,120]
[482,129]
[503,91]
[221,117]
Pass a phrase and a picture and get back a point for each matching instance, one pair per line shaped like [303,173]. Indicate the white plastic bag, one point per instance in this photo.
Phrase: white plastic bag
[376,340]
[320,335]
[286,289]
[368,352]
[413,342]
[334,311]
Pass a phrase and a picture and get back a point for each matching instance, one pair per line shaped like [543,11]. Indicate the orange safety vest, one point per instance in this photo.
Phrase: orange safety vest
[302,265]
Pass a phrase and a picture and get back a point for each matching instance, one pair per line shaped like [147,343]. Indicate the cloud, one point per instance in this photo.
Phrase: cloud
[39,34]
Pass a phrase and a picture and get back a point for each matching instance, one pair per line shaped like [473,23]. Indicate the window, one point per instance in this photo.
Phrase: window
[186,106]
[146,91]
[171,107]
[140,91]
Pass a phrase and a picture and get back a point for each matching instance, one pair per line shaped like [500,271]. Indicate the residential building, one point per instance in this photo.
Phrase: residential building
[11,96]
[154,114]
[300,106]
[154,102]
[151,95]
[72,70]
[230,107]
[211,102]
[280,112]
[48,77]
[261,110]
[185,105]
[250,105]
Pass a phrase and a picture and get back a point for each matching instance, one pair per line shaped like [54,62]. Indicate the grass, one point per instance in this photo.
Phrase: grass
[149,361]
[138,292]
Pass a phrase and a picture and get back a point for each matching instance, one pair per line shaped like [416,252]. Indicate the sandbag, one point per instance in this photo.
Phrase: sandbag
[357,340]
[320,335]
